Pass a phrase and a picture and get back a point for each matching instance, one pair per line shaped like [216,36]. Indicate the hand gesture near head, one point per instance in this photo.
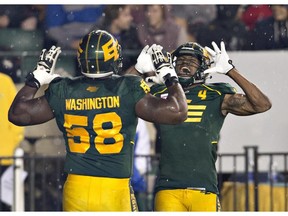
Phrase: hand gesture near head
[44,71]
[221,61]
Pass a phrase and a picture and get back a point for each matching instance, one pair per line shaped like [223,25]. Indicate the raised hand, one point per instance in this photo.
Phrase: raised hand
[44,71]
[144,62]
[165,72]
[222,63]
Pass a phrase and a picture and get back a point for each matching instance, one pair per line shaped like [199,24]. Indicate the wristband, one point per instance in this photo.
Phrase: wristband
[31,81]
[169,81]
[231,63]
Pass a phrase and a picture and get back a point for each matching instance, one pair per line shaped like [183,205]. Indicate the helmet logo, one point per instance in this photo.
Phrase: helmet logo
[110,50]
[80,50]
[205,53]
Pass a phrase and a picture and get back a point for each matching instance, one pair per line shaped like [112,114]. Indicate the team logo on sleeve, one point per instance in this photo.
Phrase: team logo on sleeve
[144,86]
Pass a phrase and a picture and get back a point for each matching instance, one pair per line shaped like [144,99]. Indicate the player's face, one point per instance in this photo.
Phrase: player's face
[280,13]
[186,66]
[155,15]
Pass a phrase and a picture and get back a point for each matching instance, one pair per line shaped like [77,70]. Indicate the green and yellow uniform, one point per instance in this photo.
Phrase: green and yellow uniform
[189,150]
[98,121]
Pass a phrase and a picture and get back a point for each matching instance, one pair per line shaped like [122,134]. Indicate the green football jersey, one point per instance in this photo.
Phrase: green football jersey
[98,121]
[189,149]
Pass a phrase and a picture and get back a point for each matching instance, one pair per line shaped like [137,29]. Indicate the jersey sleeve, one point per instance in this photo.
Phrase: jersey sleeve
[157,90]
[55,91]
[138,87]
[225,88]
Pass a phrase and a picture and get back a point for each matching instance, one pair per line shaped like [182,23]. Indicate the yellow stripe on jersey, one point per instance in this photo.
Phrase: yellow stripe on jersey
[195,113]
[159,92]
[212,89]
[193,120]
[196,107]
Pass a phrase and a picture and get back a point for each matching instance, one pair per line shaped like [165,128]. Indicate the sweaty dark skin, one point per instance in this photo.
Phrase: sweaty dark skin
[27,110]
[252,102]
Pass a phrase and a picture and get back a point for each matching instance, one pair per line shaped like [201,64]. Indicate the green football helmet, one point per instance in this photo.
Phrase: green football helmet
[99,55]
[195,50]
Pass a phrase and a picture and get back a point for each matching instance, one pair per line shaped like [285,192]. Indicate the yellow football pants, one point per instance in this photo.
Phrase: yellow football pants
[87,193]
[186,200]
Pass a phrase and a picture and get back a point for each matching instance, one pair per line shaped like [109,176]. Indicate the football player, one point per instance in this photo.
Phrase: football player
[187,179]
[97,114]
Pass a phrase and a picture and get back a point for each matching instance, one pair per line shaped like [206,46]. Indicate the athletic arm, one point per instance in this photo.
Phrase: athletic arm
[252,102]
[27,110]
[172,110]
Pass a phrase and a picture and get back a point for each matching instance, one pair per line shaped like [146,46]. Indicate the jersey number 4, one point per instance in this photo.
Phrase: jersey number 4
[76,127]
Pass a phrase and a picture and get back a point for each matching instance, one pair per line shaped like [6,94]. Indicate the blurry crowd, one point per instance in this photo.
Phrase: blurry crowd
[242,27]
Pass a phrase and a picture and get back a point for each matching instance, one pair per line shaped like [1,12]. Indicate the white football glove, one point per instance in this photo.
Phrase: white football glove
[44,71]
[222,63]
[162,75]
[144,61]
[165,72]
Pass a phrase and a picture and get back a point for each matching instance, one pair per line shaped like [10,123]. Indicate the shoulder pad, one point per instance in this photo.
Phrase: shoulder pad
[131,77]
[57,79]
[224,88]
